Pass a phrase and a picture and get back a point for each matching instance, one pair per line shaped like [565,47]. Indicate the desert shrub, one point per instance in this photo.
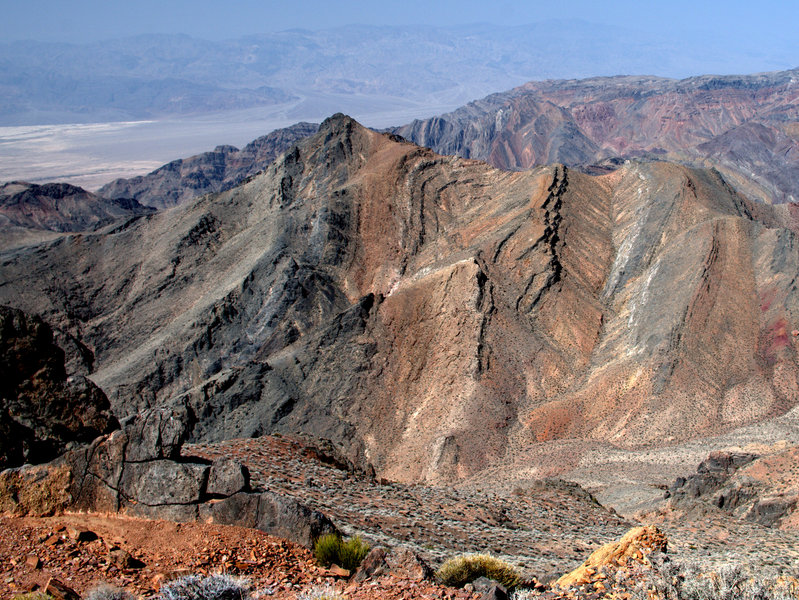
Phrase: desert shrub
[320,592]
[109,592]
[353,551]
[211,587]
[348,554]
[673,581]
[326,549]
[460,570]
[34,596]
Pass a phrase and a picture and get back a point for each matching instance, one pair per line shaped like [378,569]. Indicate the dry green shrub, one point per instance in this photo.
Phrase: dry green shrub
[675,581]
[34,596]
[460,570]
[348,554]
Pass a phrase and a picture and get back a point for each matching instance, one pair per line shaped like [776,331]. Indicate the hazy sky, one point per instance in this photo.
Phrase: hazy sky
[759,22]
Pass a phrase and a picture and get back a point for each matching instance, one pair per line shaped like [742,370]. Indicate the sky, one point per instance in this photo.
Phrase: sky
[759,22]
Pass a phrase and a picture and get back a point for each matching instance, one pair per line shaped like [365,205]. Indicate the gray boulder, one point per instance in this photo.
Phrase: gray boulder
[227,477]
[274,514]
[161,482]
[156,433]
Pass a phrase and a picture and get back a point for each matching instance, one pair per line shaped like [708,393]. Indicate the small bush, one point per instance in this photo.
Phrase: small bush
[326,549]
[109,592]
[34,596]
[319,592]
[674,581]
[212,587]
[353,551]
[459,571]
[348,554]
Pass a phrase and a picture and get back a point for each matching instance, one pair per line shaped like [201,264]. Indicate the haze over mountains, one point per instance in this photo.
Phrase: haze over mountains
[314,73]
[395,301]
[119,108]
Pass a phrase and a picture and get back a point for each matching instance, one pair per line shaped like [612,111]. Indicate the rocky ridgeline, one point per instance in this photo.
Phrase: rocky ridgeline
[742,125]
[61,207]
[221,169]
[715,483]
[139,471]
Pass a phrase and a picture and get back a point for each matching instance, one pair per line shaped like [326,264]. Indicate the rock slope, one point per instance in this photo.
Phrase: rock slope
[222,169]
[746,126]
[434,315]
[42,411]
[30,212]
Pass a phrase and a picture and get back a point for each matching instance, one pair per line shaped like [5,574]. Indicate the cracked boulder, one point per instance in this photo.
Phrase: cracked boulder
[227,477]
[161,482]
[156,434]
[139,470]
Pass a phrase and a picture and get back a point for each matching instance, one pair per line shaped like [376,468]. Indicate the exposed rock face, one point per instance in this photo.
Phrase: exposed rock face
[434,315]
[743,125]
[142,474]
[760,489]
[42,411]
[222,169]
[60,207]
[278,515]
[227,477]
[711,474]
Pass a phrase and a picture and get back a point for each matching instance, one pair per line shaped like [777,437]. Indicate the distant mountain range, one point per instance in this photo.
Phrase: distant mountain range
[156,75]
[744,126]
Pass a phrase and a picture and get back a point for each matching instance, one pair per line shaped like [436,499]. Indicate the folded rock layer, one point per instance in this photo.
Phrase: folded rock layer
[433,315]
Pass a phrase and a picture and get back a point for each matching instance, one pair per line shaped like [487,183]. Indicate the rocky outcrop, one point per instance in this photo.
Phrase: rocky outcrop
[748,486]
[138,470]
[711,475]
[398,561]
[634,547]
[223,168]
[60,207]
[42,411]
[434,316]
[742,125]
[273,513]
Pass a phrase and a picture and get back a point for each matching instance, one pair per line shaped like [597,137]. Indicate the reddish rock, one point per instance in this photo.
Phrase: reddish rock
[635,546]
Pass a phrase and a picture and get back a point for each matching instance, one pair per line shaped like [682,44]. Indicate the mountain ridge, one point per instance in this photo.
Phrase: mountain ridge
[216,171]
[700,121]
[741,125]
[366,290]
